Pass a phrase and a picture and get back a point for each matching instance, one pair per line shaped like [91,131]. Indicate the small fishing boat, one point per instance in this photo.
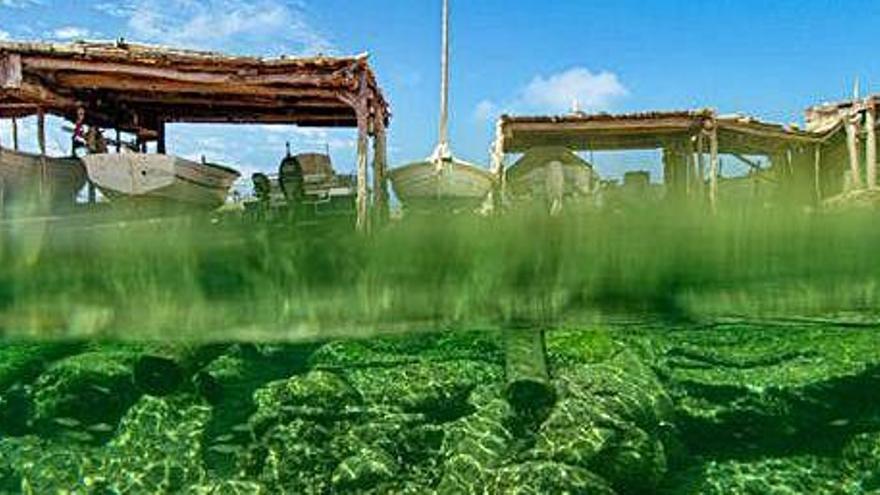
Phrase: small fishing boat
[160,178]
[441,176]
[23,175]
[447,179]
[549,171]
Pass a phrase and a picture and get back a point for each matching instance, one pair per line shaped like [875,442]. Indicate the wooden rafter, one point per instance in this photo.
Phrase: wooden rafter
[130,86]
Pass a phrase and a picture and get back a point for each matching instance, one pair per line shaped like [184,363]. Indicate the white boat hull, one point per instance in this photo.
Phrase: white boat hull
[160,178]
[550,172]
[23,174]
[455,181]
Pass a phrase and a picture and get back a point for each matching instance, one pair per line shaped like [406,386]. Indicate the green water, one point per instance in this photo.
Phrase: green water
[685,353]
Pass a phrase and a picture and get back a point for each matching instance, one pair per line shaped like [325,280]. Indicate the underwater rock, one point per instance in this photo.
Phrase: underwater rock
[158,448]
[784,476]
[294,458]
[227,487]
[22,363]
[33,465]
[317,395]
[475,445]
[768,387]
[228,383]
[609,420]
[364,471]
[861,458]
[541,477]
[92,388]
[164,368]
[439,390]
[482,347]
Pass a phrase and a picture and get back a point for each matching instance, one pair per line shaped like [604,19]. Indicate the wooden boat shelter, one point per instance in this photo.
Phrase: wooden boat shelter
[691,141]
[140,88]
[852,129]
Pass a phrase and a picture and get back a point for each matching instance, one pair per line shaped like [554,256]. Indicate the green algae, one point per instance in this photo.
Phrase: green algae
[639,411]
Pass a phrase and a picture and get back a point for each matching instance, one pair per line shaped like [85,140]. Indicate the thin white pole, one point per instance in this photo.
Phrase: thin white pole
[442,152]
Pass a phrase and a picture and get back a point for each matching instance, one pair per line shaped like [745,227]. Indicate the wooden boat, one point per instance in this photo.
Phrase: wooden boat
[550,171]
[452,180]
[442,178]
[23,176]
[160,178]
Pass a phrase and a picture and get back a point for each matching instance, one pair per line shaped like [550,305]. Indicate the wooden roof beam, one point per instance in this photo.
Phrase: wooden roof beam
[252,77]
[105,82]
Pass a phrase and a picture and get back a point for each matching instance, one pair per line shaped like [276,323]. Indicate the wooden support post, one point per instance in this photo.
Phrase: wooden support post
[41,142]
[497,158]
[871,146]
[701,163]
[380,165]
[713,168]
[690,169]
[362,224]
[160,141]
[817,165]
[118,141]
[14,133]
[853,148]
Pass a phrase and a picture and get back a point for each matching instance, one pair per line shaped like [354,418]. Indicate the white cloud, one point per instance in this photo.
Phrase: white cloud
[18,4]
[4,35]
[233,25]
[485,110]
[70,33]
[558,92]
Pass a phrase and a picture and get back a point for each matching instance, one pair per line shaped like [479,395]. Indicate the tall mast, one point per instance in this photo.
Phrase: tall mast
[442,152]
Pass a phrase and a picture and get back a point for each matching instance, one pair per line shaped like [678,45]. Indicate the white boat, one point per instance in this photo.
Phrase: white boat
[450,180]
[442,177]
[160,178]
[549,171]
[22,175]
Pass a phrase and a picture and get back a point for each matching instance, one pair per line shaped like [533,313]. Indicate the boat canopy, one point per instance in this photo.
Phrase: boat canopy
[648,130]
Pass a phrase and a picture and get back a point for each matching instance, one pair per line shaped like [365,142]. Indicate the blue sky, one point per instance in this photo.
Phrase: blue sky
[767,58]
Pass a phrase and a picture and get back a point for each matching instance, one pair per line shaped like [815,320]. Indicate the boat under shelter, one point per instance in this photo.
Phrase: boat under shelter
[139,89]
[691,142]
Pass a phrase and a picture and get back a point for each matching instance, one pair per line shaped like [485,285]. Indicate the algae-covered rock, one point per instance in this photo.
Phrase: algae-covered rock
[162,369]
[754,387]
[541,477]
[364,470]
[475,445]
[861,459]
[439,390]
[35,466]
[158,448]
[772,476]
[227,487]
[21,363]
[609,420]
[318,395]
[294,458]
[93,388]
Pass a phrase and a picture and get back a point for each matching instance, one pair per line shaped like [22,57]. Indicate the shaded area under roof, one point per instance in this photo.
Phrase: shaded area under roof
[137,87]
[650,130]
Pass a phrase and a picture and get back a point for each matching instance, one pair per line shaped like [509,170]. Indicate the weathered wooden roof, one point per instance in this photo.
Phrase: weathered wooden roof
[647,130]
[133,86]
